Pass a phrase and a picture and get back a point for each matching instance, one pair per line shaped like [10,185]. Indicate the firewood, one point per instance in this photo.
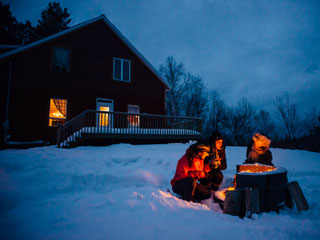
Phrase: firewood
[297,196]
[252,201]
[233,203]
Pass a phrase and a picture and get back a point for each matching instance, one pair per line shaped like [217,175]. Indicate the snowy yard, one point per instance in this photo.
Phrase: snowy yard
[120,192]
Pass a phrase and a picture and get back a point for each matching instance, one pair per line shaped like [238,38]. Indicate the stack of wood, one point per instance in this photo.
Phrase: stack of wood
[245,202]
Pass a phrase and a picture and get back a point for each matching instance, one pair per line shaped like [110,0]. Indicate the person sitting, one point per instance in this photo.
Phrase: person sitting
[217,158]
[258,151]
[191,168]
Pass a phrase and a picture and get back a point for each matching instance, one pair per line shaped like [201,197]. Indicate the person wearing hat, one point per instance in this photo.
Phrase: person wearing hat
[217,158]
[258,151]
[191,168]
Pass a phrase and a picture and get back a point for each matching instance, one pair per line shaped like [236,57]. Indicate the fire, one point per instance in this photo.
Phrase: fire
[249,168]
[231,188]
[255,168]
[257,171]
[221,194]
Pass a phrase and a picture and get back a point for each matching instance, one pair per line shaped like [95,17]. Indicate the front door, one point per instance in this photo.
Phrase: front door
[104,118]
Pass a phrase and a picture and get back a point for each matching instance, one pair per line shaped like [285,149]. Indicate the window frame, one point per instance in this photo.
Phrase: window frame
[64,119]
[60,66]
[136,124]
[121,70]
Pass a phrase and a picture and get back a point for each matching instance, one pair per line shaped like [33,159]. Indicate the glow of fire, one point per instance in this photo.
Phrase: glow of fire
[261,171]
[256,168]
[221,194]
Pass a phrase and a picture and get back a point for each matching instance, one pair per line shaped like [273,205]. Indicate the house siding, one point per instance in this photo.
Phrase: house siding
[90,77]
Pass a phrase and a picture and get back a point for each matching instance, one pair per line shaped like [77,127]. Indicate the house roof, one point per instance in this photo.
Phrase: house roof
[79,26]
[9,46]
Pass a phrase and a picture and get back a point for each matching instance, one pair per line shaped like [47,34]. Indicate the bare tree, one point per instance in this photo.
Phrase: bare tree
[240,122]
[194,96]
[287,112]
[310,122]
[264,123]
[216,112]
[174,74]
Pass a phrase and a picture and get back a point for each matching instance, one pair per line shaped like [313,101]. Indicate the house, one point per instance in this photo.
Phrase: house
[90,66]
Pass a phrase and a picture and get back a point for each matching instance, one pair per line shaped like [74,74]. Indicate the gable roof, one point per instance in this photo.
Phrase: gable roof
[78,27]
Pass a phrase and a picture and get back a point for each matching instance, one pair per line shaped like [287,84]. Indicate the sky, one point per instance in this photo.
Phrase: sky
[254,49]
[120,192]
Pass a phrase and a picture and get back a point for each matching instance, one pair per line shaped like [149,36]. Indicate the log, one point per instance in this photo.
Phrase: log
[233,203]
[297,196]
[252,201]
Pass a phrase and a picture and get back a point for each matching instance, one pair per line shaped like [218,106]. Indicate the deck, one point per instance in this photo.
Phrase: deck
[91,126]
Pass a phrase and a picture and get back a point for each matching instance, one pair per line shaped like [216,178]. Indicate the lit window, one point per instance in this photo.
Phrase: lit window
[134,120]
[57,112]
[104,116]
[121,70]
[61,59]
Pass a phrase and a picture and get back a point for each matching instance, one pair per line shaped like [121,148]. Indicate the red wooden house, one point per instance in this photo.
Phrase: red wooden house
[92,66]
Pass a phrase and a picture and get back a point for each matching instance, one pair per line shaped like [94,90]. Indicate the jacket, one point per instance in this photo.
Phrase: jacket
[196,171]
[265,158]
[222,155]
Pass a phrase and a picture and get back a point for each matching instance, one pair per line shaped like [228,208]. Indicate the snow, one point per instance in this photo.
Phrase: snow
[120,192]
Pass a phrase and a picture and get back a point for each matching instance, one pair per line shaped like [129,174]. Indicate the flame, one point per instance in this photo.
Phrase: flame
[255,168]
[221,194]
[261,171]
[231,188]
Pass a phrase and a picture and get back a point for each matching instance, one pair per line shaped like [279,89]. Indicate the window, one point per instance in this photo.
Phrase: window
[121,70]
[134,120]
[104,118]
[61,59]
[57,112]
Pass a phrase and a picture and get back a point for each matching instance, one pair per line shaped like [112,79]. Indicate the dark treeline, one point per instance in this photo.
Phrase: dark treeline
[189,97]
[53,19]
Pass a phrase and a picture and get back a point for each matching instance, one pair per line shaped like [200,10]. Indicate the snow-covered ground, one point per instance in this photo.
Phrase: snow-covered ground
[120,192]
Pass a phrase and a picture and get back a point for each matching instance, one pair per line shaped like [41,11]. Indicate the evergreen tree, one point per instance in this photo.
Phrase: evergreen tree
[8,25]
[53,19]
[26,33]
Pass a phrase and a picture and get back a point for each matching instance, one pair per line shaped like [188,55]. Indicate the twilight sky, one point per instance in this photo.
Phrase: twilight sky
[255,49]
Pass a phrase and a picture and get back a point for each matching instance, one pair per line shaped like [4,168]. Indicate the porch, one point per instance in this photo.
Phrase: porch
[109,127]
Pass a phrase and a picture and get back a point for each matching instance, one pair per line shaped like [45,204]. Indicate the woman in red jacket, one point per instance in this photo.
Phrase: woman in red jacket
[190,168]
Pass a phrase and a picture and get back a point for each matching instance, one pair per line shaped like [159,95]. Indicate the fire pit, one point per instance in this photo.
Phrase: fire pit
[267,182]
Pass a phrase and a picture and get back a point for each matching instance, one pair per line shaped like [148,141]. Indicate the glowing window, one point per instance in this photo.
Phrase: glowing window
[134,120]
[104,117]
[57,112]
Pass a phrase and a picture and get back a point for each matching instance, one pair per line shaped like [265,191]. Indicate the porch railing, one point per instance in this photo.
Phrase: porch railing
[119,125]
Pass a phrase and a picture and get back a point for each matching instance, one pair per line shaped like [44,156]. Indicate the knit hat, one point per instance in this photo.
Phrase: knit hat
[261,141]
[197,147]
[216,136]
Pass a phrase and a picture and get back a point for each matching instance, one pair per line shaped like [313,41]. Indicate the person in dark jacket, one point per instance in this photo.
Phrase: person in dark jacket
[258,151]
[217,158]
[191,168]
